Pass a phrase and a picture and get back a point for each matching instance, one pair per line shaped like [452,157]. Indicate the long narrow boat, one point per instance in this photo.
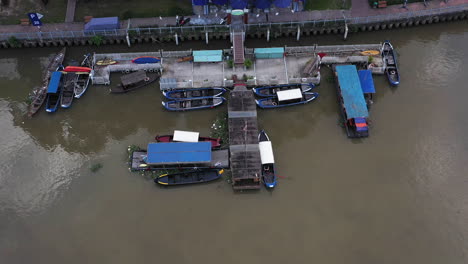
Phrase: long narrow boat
[267,159]
[189,177]
[67,92]
[146,59]
[39,95]
[82,80]
[391,69]
[78,69]
[268,91]
[187,136]
[287,98]
[193,103]
[54,92]
[194,92]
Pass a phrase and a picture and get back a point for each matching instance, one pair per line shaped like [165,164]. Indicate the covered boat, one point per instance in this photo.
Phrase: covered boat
[54,92]
[287,98]
[193,92]
[133,81]
[82,80]
[187,104]
[268,91]
[189,177]
[367,85]
[187,136]
[267,159]
[146,59]
[68,84]
[390,61]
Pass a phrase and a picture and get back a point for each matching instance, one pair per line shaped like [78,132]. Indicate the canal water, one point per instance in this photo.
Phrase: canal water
[399,196]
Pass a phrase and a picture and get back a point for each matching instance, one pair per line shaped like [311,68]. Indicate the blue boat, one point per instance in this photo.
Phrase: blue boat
[189,177]
[146,59]
[267,159]
[54,92]
[196,103]
[351,100]
[390,61]
[268,91]
[287,98]
[367,86]
[193,93]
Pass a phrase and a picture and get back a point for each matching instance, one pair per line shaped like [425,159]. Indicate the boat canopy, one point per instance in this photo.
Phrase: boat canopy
[289,94]
[178,153]
[353,98]
[367,82]
[266,152]
[185,136]
[207,55]
[54,82]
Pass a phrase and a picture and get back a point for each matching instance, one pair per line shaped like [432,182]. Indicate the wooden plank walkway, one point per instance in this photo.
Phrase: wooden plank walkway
[243,139]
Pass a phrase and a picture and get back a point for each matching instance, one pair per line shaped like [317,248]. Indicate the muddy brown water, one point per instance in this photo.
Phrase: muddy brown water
[399,196]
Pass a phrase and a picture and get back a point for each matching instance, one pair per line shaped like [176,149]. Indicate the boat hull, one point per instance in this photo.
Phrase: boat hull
[272,102]
[193,93]
[120,89]
[392,72]
[53,101]
[189,104]
[189,177]
[268,169]
[215,142]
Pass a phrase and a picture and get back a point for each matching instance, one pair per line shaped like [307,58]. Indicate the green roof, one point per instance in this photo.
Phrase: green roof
[268,50]
[207,55]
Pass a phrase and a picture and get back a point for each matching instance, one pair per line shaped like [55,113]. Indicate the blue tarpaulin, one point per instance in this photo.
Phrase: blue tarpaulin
[282,3]
[262,4]
[367,83]
[178,153]
[54,82]
[353,98]
[239,4]
[103,23]
[219,2]
[199,2]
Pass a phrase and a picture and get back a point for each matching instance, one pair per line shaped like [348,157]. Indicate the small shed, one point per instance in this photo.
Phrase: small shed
[207,55]
[269,53]
[103,23]
[133,78]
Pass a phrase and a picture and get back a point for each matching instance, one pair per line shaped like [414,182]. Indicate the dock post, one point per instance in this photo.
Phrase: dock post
[268,35]
[206,36]
[128,40]
[298,33]
[176,38]
[345,32]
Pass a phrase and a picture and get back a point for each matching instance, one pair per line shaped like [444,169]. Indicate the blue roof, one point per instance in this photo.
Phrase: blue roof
[199,2]
[367,83]
[207,55]
[219,2]
[178,153]
[103,23]
[268,50]
[54,82]
[262,4]
[239,4]
[351,92]
[282,3]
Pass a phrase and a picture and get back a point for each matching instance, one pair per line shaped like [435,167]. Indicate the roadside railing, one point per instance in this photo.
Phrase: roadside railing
[60,35]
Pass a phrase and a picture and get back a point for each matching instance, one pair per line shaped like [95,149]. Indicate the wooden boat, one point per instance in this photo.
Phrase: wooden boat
[390,61]
[82,80]
[133,81]
[146,59]
[287,98]
[269,91]
[105,62]
[68,85]
[267,159]
[188,58]
[193,103]
[54,92]
[194,92]
[77,69]
[187,136]
[189,177]
[39,95]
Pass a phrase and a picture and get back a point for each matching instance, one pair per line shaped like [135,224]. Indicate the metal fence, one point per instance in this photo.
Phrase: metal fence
[60,35]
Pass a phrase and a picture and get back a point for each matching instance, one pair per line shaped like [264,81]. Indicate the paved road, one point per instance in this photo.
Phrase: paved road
[69,17]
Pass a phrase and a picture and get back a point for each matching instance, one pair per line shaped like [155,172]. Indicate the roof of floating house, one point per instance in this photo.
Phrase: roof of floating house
[239,4]
[268,50]
[199,2]
[351,91]
[282,3]
[262,4]
[178,153]
[219,2]
[54,82]
[207,55]
[367,83]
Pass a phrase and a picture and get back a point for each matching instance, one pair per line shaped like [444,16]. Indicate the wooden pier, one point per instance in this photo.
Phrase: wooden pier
[243,139]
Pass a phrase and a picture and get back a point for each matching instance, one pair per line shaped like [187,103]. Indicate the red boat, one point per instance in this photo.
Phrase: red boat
[183,136]
[77,69]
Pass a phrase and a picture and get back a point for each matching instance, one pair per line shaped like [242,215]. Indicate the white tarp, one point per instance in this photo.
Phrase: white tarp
[289,94]
[266,152]
[185,136]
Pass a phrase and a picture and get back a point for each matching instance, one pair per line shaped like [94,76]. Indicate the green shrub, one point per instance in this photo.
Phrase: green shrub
[248,63]
[97,40]
[13,41]
[230,63]
[127,14]
[96,167]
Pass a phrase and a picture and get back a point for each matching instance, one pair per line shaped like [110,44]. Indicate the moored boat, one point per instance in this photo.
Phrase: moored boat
[78,69]
[82,80]
[190,177]
[391,69]
[193,103]
[68,85]
[268,91]
[105,62]
[54,92]
[133,81]
[187,136]
[146,59]
[287,98]
[193,92]
[267,159]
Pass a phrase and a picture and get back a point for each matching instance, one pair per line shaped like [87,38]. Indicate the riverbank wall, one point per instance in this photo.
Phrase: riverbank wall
[266,31]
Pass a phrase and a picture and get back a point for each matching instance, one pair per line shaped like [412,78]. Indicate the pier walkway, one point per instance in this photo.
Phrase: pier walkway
[243,139]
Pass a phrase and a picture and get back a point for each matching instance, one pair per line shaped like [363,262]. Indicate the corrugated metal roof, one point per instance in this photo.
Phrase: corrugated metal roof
[367,82]
[266,152]
[178,153]
[207,55]
[54,82]
[268,50]
[351,91]
[103,23]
